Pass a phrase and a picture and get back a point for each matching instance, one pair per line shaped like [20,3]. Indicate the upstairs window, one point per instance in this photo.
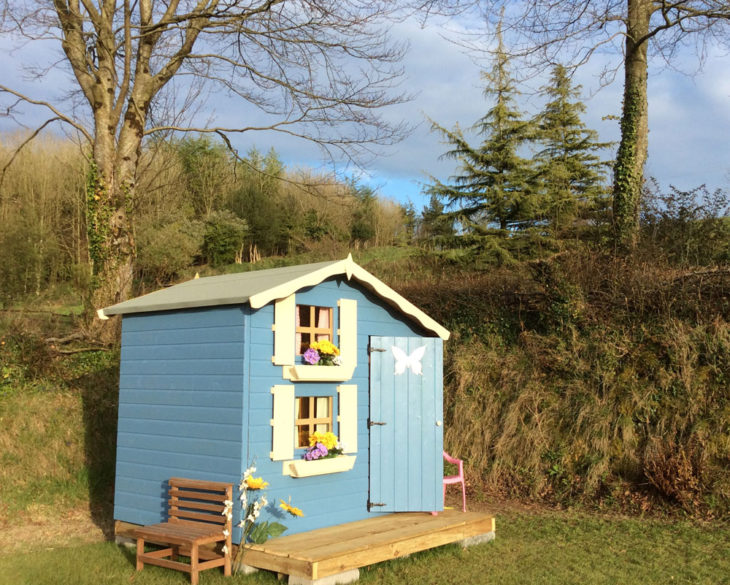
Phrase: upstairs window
[312,324]
[313,413]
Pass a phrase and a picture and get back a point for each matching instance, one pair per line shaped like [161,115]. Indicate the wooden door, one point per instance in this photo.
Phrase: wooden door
[406,424]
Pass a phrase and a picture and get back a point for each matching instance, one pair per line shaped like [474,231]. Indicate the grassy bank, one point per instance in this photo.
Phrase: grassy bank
[546,548]
[57,422]
[576,381]
[588,380]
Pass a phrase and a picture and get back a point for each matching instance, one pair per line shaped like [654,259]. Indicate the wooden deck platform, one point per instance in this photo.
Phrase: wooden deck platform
[330,551]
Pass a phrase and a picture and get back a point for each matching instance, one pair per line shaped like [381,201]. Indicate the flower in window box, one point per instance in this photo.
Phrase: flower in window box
[322,446]
[326,353]
[311,356]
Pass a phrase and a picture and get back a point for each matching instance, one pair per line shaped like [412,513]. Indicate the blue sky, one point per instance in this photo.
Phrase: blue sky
[689,115]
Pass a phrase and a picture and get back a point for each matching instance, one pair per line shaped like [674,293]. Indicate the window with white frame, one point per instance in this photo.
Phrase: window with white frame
[312,414]
[312,324]
[296,417]
[296,326]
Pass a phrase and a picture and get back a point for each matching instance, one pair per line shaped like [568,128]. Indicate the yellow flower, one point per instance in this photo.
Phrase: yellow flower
[291,509]
[325,346]
[328,439]
[256,483]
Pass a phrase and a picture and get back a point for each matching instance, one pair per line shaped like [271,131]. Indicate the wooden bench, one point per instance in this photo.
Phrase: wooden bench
[196,516]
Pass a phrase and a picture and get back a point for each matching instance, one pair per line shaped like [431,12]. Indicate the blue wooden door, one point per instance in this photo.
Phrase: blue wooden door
[406,424]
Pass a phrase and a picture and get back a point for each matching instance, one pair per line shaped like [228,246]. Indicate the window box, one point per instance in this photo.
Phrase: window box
[303,468]
[306,373]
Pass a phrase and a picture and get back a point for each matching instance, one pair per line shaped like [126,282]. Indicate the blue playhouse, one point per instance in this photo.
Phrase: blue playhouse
[213,379]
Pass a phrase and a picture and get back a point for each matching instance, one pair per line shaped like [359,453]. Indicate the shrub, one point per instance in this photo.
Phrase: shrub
[223,238]
[688,227]
[588,379]
[160,262]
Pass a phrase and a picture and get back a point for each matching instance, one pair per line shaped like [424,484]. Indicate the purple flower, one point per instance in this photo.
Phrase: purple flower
[311,356]
[322,450]
[317,452]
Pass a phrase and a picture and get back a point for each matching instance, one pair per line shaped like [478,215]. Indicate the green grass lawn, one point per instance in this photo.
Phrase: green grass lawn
[545,548]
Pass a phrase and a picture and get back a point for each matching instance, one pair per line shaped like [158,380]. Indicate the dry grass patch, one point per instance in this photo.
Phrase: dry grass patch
[42,454]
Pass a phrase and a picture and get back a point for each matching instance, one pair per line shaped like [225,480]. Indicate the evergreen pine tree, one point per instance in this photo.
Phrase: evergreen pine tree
[571,175]
[494,186]
[362,225]
[434,222]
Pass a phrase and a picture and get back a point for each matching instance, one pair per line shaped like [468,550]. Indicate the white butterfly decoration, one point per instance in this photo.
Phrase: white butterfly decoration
[403,361]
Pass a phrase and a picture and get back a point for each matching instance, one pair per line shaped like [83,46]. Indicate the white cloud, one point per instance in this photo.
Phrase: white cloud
[689,116]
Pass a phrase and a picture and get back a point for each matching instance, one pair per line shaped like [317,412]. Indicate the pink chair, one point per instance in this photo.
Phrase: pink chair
[451,479]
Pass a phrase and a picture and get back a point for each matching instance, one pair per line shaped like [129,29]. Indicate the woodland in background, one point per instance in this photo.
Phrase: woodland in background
[196,208]
[574,376]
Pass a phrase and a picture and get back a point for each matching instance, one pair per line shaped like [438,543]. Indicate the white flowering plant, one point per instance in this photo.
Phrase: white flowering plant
[251,506]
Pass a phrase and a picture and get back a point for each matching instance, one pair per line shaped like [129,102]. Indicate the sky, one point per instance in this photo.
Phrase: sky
[689,115]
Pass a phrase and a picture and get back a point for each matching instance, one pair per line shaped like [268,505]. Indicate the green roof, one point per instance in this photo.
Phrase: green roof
[260,287]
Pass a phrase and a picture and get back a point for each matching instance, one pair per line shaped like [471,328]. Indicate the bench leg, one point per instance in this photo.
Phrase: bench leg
[229,548]
[140,551]
[194,573]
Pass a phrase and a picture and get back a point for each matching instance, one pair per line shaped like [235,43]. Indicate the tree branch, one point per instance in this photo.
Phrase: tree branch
[59,115]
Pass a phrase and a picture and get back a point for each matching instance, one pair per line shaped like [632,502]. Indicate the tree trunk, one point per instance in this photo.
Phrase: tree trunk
[110,193]
[111,246]
[632,151]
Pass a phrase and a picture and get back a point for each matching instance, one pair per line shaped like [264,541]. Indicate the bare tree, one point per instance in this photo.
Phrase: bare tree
[572,31]
[317,70]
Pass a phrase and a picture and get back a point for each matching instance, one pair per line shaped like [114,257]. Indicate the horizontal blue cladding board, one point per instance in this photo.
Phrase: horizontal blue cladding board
[182,367]
[130,485]
[178,413]
[179,337]
[191,351]
[146,472]
[218,382]
[154,499]
[182,398]
[134,515]
[191,446]
[182,461]
[179,428]
[200,318]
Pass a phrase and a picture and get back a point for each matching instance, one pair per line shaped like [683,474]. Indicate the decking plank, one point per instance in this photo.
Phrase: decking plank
[346,532]
[400,531]
[333,550]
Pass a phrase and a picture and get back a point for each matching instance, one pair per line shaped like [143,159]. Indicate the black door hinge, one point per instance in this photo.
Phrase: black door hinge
[371,349]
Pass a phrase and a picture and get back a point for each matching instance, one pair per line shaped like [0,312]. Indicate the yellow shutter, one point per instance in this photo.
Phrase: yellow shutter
[284,326]
[348,417]
[347,332]
[283,423]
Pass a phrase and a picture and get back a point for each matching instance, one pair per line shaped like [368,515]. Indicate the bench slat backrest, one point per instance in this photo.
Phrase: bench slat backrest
[192,500]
